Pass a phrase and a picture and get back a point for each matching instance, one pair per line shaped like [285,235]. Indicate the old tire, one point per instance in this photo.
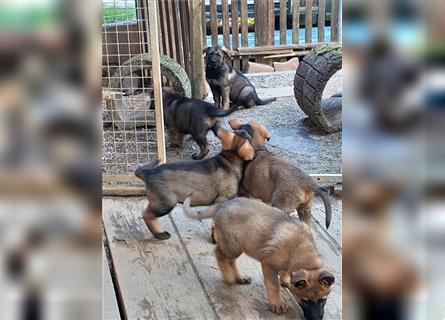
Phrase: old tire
[310,80]
[170,69]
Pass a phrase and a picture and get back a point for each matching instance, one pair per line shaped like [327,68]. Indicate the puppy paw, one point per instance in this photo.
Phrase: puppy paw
[243,280]
[278,308]
[197,156]
[162,235]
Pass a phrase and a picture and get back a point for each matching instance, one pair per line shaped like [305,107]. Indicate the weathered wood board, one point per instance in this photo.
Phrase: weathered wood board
[179,278]
[110,309]
[156,278]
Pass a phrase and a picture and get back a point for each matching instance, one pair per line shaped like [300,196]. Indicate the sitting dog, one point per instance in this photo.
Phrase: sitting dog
[276,181]
[183,115]
[227,83]
[212,180]
[281,243]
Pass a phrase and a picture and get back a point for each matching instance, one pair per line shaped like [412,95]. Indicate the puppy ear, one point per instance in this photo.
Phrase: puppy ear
[326,278]
[235,124]
[226,51]
[299,279]
[205,50]
[226,138]
[246,151]
[262,129]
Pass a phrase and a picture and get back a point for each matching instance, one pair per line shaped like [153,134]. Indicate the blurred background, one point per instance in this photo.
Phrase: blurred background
[393,159]
[393,156]
[50,209]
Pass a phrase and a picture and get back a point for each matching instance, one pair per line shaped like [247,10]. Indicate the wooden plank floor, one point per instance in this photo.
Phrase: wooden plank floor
[179,278]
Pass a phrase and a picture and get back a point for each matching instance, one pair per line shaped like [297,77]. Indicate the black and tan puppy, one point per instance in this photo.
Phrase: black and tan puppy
[277,182]
[282,244]
[211,180]
[228,85]
[183,116]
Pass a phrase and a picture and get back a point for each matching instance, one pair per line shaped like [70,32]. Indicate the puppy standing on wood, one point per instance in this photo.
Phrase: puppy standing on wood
[212,180]
[227,83]
[282,244]
[183,116]
[276,181]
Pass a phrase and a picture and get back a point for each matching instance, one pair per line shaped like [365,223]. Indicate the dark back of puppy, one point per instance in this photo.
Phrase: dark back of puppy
[221,75]
[213,179]
[183,115]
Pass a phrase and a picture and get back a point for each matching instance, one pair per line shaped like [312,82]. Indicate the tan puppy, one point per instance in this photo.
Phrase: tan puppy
[277,182]
[281,243]
[212,180]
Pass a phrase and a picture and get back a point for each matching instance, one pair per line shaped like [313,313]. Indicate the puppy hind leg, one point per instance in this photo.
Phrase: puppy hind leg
[152,222]
[229,269]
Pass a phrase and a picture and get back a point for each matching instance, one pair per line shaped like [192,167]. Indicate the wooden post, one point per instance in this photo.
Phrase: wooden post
[156,77]
[264,24]
[196,48]
[308,21]
[295,21]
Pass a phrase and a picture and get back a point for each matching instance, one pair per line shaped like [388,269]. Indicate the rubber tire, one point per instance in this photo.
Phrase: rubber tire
[169,69]
[311,77]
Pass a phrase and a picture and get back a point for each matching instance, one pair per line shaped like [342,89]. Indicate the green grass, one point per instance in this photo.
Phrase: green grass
[112,14]
[14,17]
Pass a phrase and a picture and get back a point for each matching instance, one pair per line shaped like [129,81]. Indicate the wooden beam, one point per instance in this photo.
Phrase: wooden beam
[156,78]
[235,31]
[334,20]
[283,21]
[295,21]
[196,49]
[214,22]
[226,26]
[308,22]
[321,19]
[119,185]
[244,30]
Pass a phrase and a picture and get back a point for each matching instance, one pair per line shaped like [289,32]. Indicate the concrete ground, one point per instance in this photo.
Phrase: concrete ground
[293,136]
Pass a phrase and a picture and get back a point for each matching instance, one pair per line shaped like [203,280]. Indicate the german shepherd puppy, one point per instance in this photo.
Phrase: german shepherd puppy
[276,181]
[183,116]
[281,243]
[227,83]
[212,180]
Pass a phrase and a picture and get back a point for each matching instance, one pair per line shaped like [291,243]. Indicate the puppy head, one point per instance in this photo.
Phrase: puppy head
[215,56]
[238,142]
[311,288]
[257,131]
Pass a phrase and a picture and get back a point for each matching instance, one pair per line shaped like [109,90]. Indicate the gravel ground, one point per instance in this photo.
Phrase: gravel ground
[293,136]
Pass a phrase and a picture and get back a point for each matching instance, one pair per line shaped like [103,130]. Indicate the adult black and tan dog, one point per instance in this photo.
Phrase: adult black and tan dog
[183,116]
[211,180]
[227,83]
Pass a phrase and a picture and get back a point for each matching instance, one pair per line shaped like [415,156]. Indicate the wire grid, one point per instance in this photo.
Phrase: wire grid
[129,133]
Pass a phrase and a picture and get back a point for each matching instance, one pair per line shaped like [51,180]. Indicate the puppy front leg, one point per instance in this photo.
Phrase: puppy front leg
[276,303]
[226,98]
[216,96]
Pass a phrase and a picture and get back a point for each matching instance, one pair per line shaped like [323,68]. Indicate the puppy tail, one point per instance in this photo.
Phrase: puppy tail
[323,193]
[195,214]
[223,113]
[261,102]
[142,170]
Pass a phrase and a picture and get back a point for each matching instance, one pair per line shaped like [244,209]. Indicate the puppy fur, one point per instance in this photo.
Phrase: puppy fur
[227,83]
[183,116]
[212,180]
[281,243]
[277,182]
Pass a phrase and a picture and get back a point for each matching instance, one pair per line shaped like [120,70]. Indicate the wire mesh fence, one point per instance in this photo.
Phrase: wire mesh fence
[129,124]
